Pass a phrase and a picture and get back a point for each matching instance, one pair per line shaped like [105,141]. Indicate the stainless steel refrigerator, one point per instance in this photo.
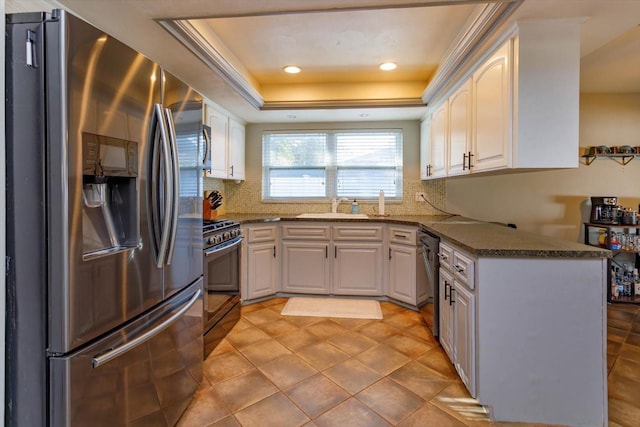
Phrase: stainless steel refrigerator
[104,230]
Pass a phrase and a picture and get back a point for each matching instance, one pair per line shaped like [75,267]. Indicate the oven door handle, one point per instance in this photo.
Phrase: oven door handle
[229,244]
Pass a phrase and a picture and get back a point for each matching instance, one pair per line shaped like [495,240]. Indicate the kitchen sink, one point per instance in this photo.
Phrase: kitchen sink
[329,215]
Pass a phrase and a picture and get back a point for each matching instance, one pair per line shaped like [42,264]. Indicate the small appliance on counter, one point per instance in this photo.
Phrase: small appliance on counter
[605,210]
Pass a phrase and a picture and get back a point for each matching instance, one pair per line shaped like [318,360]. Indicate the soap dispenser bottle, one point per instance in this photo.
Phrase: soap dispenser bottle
[354,207]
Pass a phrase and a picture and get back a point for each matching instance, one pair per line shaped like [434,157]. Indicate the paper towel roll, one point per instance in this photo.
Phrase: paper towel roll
[381,203]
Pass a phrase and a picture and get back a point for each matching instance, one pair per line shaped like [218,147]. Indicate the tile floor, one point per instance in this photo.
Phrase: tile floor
[283,371]
[623,360]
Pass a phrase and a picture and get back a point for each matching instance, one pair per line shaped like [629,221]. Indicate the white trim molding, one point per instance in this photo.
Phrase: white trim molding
[192,39]
[481,27]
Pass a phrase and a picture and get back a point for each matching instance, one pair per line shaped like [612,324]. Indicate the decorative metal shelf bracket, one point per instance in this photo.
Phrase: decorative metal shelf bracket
[622,155]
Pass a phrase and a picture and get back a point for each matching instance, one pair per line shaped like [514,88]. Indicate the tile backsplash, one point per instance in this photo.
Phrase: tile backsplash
[246,197]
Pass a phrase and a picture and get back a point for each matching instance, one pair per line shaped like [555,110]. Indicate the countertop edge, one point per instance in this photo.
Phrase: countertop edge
[439,228]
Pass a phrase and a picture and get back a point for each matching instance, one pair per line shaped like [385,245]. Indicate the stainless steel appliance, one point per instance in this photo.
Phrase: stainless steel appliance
[605,210]
[104,277]
[222,239]
[430,244]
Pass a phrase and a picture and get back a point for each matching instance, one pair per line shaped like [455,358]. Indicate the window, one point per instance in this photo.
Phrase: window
[319,165]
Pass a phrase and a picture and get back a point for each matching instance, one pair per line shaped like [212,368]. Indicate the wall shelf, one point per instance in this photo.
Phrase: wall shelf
[622,155]
[631,229]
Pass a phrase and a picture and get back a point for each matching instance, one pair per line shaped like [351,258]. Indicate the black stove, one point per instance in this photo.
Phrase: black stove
[218,232]
[222,243]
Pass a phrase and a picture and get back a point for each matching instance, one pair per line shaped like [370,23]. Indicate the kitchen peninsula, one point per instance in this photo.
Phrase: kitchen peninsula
[528,331]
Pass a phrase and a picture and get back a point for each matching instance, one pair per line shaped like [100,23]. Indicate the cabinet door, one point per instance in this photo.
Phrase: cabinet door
[446,313]
[425,148]
[262,275]
[465,336]
[492,112]
[357,269]
[235,167]
[459,130]
[218,123]
[439,140]
[402,273]
[305,267]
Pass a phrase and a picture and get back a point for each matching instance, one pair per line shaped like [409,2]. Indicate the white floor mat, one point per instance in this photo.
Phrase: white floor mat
[332,307]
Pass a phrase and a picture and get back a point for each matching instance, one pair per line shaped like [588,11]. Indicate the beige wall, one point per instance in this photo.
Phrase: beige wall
[556,202]
[246,197]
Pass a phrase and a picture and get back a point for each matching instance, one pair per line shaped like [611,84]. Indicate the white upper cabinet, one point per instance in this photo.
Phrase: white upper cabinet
[425,148]
[434,139]
[546,98]
[459,130]
[218,123]
[439,139]
[518,108]
[235,166]
[226,146]
[491,112]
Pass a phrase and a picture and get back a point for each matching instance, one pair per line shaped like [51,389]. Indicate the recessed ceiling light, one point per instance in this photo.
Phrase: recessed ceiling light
[291,69]
[388,66]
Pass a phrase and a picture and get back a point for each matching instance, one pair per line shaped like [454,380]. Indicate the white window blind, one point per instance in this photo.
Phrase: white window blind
[189,157]
[319,165]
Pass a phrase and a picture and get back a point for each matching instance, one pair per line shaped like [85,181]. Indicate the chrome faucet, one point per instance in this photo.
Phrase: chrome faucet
[335,202]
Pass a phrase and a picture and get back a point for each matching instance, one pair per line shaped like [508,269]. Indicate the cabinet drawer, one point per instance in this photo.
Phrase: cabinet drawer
[463,268]
[306,232]
[445,254]
[360,233]
[261,234]
[403,235]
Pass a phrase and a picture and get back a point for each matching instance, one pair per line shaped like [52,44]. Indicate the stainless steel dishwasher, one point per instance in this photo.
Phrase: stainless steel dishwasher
[430,245]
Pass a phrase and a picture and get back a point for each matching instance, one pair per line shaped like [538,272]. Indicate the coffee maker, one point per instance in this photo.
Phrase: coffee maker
[605,210]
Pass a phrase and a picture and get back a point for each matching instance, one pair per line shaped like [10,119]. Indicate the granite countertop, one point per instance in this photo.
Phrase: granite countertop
[480,238]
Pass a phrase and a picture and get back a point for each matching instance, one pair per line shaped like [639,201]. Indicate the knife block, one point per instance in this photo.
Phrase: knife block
[207,212]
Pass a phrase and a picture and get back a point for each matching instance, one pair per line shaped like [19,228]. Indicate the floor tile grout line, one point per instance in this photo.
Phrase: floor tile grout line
[403,332]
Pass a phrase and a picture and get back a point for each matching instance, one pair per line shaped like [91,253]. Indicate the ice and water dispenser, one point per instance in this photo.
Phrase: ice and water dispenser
[110,195]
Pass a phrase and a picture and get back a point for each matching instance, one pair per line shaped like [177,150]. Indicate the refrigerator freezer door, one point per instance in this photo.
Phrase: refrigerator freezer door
[95,85]
[149,384]
[26,331]
[185,262]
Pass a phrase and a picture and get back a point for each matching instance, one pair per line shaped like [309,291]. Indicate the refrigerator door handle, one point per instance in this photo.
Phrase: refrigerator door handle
[31,50]
[97,361]
[166,208]
[174,201]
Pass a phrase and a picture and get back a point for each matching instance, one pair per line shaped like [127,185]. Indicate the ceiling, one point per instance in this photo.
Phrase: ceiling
[233,51]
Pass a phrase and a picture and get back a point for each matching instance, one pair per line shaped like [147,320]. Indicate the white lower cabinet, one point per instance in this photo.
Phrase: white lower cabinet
[357,269]
[333,259]
[260,265]
[339,259]
[262,275]
[465,335]
[446,314]
[357,259]
[402,273]
[406,279]
[305,267]
[458,312]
